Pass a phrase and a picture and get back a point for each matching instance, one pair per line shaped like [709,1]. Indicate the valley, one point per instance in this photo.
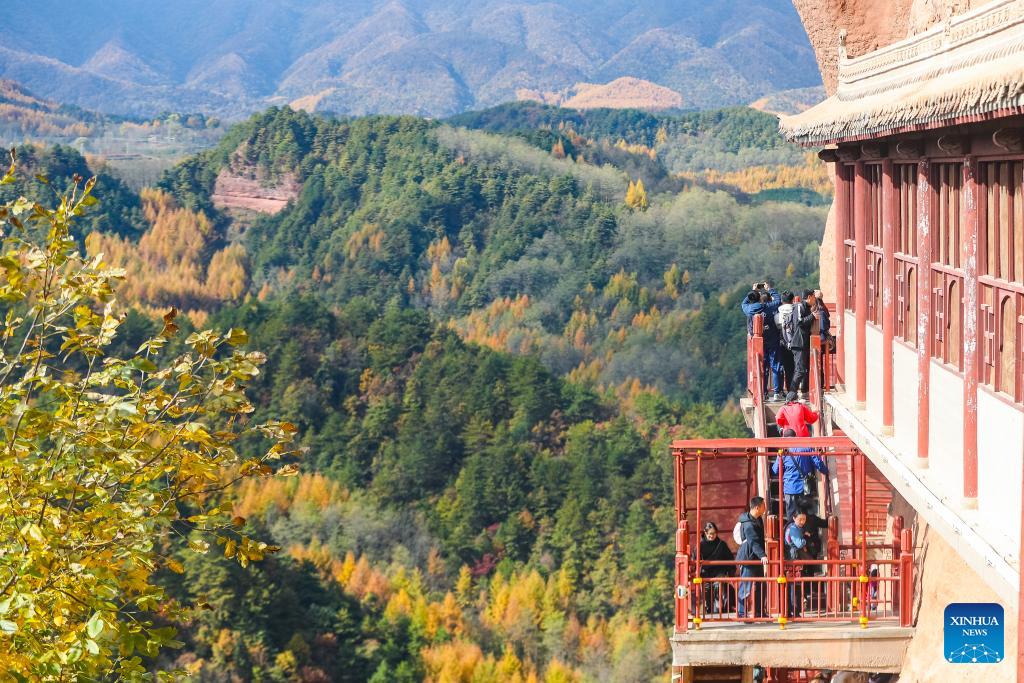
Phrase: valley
[482,347]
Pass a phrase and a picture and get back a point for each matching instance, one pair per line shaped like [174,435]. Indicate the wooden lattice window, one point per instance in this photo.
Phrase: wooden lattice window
[905,258]
[1001,275]
[849,237]
[947,229]
[947,277]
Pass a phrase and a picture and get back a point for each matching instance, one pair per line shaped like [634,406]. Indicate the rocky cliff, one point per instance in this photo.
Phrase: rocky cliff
[246,191]
[869,24]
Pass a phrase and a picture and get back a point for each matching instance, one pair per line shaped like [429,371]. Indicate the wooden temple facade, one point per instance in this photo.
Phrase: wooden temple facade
[923,262]
[926,138]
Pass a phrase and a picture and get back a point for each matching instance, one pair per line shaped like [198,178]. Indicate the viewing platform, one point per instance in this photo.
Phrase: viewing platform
[848,608]
[880,647]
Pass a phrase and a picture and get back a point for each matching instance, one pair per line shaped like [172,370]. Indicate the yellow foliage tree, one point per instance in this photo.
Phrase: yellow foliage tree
[166,266]
[636,195]
[101,455]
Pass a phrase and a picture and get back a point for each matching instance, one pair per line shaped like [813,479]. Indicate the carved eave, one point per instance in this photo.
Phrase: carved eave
[969,69]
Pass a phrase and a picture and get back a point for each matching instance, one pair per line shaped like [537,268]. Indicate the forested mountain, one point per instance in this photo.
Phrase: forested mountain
[485,338]
[427,57]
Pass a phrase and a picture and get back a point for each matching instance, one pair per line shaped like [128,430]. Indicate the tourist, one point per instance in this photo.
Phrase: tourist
[814,594]
[800,342]
[796,549]
[819,308]
[828,342]
[753,303]
[764,301]
[795,416]
[714,549]
[774,369]
[782,319]
[795,471]
[752,548]
[812,532]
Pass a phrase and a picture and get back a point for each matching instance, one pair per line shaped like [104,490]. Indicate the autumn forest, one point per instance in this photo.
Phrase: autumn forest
[481,334]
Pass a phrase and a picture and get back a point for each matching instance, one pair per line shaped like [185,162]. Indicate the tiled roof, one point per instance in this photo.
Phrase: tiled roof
[971,66]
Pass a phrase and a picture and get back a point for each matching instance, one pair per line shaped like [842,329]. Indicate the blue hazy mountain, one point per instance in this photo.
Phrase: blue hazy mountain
[428,57]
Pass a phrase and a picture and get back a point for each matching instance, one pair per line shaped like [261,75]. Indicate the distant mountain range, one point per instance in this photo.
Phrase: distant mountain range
[425,57]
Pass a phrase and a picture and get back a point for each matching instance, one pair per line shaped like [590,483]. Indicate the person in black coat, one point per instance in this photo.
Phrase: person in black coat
[752,548]
[714,549]
[801,344]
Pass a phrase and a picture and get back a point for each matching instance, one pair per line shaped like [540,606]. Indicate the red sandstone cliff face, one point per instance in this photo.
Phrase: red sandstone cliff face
[237,190]
[869,24]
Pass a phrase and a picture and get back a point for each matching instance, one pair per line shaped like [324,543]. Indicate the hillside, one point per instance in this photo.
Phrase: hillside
[25,116]
[484,351]
[426,57]
[622,93]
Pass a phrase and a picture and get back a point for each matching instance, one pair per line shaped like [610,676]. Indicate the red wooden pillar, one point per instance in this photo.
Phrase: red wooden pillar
[888,282]
[860,234]
[971,350]
[924,304]
[842,228]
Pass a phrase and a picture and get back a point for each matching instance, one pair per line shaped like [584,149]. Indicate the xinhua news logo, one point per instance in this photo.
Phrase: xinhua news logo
[974,633]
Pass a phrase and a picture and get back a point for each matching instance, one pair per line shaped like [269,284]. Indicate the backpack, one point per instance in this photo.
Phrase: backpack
[788,322]
[737,533]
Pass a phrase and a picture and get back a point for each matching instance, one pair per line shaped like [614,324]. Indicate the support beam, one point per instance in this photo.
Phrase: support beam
[925,207]
[971,350]
[860,233]
[888,283]
[842,228]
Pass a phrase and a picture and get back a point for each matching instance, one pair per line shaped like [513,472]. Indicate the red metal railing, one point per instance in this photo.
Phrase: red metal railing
[755,373]
[855,583]
[775,675]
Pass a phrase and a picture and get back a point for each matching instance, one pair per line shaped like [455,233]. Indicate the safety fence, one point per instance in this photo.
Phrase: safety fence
[856,582]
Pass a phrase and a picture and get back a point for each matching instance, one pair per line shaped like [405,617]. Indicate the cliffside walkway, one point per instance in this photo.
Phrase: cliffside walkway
[850,608]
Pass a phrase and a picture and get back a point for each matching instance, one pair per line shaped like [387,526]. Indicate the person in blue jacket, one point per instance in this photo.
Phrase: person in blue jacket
[764,300]
[794,472]
[795,542]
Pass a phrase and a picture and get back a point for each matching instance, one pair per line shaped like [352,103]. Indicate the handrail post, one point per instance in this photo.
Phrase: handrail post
[772,549]
[906,577]
[756,360]
[815,378]
[680,494]
[832,553]
[682,577]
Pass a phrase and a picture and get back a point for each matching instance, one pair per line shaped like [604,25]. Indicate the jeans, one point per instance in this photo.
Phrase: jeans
[795,607]
[794,501]
[774,369]
[747,587]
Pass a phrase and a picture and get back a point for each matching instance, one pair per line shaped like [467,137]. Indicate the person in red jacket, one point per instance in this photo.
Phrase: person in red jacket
[796,416]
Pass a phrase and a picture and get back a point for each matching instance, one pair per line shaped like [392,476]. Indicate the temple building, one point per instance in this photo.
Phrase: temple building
[922,403]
